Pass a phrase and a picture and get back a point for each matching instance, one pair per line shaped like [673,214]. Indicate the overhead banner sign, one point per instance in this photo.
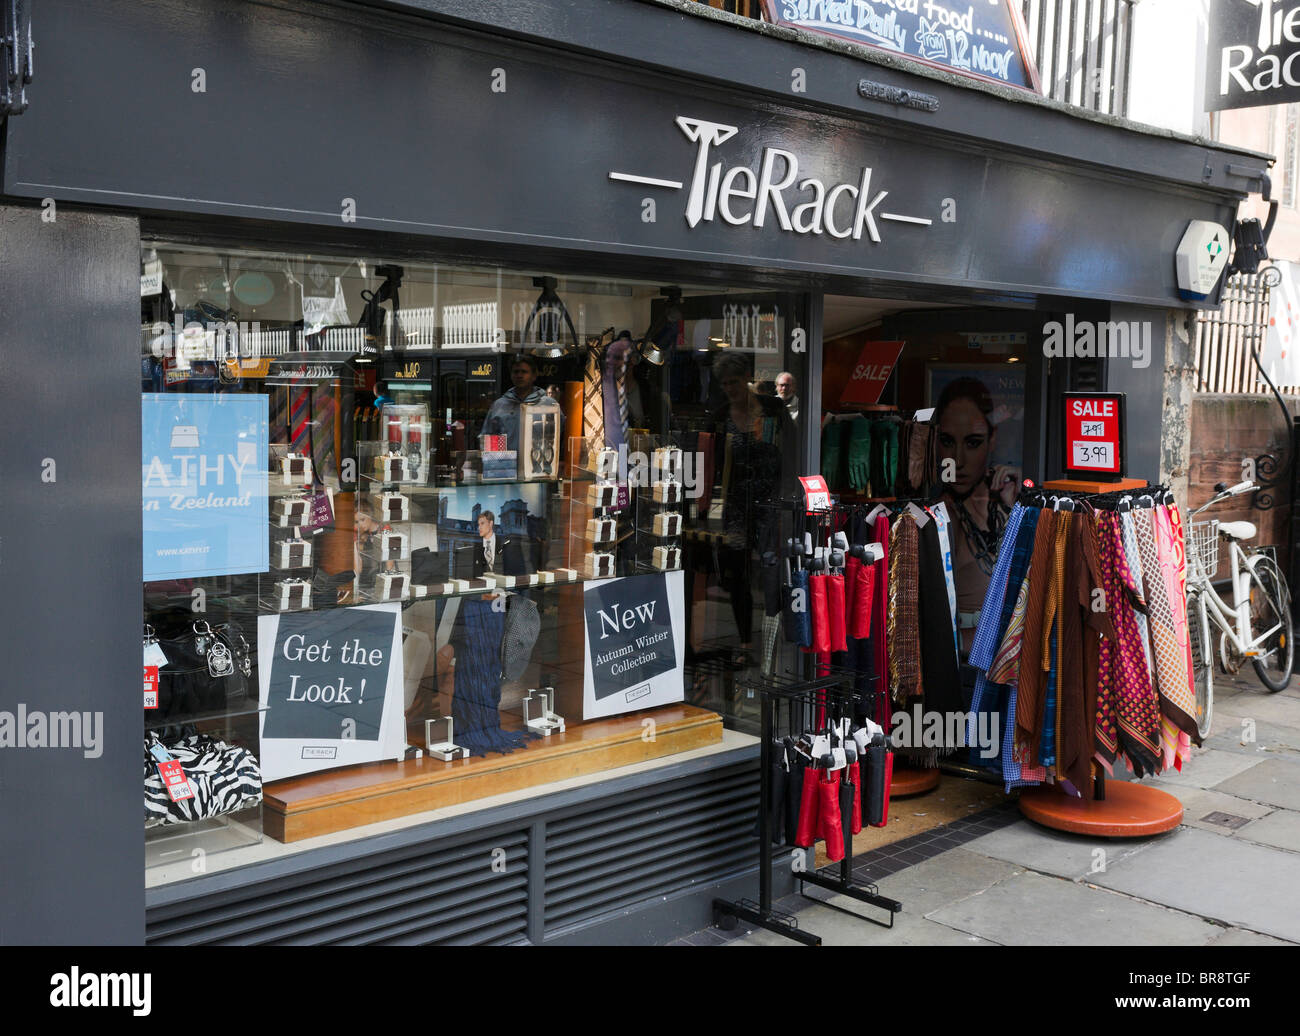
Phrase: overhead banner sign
[204,481]
[982,38]
[1254,57]
[635,638]
[332,688]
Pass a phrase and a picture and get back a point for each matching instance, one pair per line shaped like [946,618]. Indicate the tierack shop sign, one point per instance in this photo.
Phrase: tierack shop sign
[1254,56]
[773,192]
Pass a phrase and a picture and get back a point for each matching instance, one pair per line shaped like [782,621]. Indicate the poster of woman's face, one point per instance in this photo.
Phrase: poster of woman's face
[980,418]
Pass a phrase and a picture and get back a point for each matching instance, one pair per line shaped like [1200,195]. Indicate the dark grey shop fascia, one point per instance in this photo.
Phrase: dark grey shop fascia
[498,125]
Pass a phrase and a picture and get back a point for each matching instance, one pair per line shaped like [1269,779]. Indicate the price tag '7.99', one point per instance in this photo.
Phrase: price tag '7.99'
[151,687]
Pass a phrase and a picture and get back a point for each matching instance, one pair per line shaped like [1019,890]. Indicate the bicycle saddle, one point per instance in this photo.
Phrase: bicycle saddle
[1238,530]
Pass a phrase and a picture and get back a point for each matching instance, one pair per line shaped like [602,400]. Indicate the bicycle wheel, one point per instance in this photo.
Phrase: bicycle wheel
[1198,631]
[1270,605]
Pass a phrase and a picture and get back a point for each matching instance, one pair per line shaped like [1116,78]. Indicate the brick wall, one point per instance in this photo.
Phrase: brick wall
[1225,431]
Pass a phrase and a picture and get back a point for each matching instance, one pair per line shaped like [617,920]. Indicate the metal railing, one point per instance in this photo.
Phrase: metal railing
[1226,336]
[1083,49]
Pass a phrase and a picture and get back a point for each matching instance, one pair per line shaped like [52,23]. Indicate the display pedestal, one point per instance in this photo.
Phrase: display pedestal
[317,804]
[1127,811]
[907,782]
[1083,485]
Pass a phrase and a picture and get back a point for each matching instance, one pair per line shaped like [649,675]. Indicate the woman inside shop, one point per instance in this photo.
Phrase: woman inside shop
[978,496]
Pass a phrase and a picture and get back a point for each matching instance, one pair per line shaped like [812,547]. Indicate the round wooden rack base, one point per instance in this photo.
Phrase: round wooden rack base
[907,782]
[1127,811]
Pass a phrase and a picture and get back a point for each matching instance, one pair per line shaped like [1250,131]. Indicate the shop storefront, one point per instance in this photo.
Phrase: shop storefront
[461,502]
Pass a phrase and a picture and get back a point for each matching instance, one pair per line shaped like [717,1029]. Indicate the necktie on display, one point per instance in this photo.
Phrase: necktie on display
[622,404]
[593,404]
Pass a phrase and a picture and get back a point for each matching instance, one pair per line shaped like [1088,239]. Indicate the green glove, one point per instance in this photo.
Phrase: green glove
[860,454]
[885,434]
[831,436]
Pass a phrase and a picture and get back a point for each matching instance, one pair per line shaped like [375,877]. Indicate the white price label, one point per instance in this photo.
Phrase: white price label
[1099,455]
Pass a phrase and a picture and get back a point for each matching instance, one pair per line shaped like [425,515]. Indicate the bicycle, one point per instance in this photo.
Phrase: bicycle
[1260,600]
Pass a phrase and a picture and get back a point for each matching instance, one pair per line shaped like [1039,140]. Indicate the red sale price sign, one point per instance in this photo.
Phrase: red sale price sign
[1094,433]
[816,494]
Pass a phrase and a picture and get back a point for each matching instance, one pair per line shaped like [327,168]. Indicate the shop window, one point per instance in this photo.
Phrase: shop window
[404,521]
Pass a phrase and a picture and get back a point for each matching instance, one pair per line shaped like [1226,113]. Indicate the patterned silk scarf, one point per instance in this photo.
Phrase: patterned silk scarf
[1134,699]
[1177,698]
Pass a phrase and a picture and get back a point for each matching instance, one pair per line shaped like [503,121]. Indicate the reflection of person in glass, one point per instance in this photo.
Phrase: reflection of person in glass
[978,496]
[503,416]
[757,458]
[366,546]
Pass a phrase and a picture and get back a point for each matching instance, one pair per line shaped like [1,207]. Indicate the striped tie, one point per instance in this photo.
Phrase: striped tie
[622,404]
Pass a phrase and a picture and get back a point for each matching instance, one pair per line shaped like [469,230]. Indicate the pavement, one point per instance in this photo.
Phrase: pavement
[1227,876]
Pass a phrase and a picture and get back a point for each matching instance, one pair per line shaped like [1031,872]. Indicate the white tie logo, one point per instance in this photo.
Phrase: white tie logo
[742,195]
[706,135]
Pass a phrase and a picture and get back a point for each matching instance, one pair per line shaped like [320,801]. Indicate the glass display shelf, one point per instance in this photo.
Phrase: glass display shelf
[186,718]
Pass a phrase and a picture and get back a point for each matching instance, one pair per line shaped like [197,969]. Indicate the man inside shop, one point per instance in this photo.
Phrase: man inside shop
[785,389]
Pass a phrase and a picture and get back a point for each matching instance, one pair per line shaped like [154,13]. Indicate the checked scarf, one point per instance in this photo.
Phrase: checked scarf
[902,628]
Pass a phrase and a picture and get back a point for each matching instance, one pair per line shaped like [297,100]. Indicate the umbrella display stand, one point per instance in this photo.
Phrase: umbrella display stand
[802,698]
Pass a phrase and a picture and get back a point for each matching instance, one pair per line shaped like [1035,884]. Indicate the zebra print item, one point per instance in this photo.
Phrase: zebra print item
[224,779]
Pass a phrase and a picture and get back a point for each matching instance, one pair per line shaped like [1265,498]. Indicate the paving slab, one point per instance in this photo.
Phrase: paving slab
[1054,852]
[1268,735]
[1208,768]
[1262,708]
[837,929]
[1280,829]
[1275,781]
[1238,883]
[944,879]
[1244,937]
[1198,803]
[1036,910]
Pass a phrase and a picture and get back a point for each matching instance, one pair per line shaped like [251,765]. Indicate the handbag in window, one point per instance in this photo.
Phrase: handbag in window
[209,669]
[218,779]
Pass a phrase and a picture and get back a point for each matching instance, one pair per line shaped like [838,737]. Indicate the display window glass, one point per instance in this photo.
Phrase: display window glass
[403,521]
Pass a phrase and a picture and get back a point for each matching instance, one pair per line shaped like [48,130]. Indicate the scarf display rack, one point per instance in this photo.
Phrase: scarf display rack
[808,705]
[1117,808]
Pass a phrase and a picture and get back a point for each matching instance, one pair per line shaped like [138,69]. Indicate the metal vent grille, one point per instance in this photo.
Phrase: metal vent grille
[430,893]
[1086,375]
[656,841]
